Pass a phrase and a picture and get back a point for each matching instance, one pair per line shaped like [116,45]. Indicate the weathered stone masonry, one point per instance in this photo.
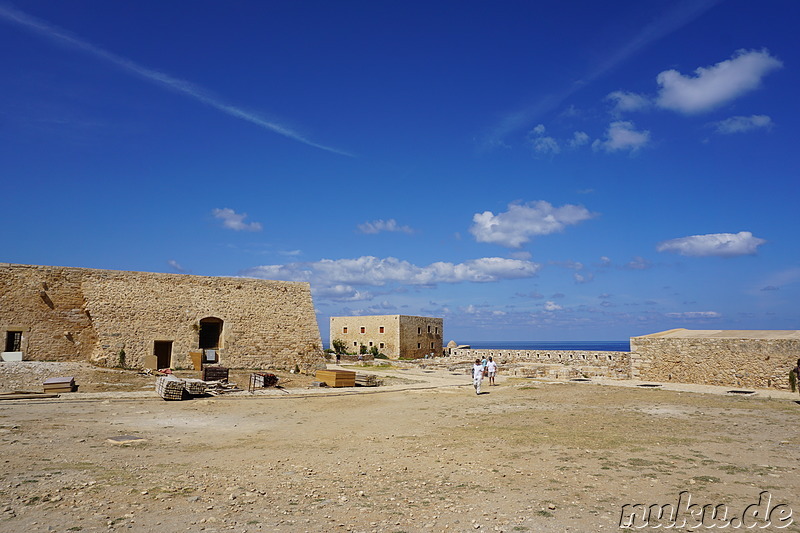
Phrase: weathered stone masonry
[734,358]
[69,314]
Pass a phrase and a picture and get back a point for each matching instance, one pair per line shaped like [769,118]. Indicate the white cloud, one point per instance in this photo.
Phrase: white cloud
[541,143]
[552,306]
[235,221]
[545,145]
[621,135]
[377,226]
[627,101]
[579,138]
[342,293]
[583,278]
[695,314]
[638,263]
[521,222]
[713,86]
[713,244]
[374,271]
[176,266]
[742,124]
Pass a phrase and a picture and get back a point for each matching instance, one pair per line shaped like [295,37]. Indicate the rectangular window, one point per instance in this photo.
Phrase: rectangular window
[380,329]
[344,330]
[381,345]
[436,330]
[419,331]
[419,345]
[370,344]
[355,343]
[13,341]
[429,329]
[363,329]
[431,346]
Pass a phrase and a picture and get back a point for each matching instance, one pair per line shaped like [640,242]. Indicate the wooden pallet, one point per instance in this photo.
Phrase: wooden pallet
[337,378]
[59,385]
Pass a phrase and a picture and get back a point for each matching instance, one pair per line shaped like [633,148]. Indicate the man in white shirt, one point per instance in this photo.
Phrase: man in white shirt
[491,366]
[477,375]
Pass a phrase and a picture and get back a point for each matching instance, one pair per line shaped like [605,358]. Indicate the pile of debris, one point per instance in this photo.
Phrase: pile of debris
[367,380]
[171,388]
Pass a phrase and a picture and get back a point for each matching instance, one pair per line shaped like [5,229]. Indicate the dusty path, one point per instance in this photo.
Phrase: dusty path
[426,454]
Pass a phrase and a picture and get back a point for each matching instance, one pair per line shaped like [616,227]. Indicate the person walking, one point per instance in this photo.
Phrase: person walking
[338,358]
[477,375]
[491,366]
[794,377]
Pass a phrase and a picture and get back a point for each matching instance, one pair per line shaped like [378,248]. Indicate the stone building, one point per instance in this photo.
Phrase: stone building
[737,358]
[78,314]
[393,335]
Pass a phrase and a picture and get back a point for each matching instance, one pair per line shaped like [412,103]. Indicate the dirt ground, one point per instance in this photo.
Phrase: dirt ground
[423,453]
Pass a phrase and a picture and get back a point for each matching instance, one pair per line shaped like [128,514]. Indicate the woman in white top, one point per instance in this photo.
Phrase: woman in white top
[491,366]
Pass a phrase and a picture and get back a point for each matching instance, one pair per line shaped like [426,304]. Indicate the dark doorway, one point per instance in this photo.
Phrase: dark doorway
[163,352]
[13,341]
[210,333]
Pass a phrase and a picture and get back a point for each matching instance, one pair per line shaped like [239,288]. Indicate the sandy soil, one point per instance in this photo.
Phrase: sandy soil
[424,453]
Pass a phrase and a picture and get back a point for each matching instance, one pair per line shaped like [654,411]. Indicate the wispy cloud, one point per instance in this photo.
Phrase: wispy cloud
[377,226]
[742,124]
[235,221]
[160,78]
[713,244]
[176,266]
[695,314]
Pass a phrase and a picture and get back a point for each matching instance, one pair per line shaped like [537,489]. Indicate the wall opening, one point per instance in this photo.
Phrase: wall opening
[163,352]
[210,336]
[13,341]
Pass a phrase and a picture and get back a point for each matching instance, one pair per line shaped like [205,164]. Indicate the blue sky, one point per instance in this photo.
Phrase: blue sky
[572,170]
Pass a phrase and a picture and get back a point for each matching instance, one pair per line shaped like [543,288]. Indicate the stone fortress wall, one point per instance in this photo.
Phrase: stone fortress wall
[742,358]
[394,335]
[754,358]
[71,314]
[555,363]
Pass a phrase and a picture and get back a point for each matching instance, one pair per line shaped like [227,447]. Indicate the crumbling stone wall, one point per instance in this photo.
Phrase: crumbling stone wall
[87,314]
[735,362]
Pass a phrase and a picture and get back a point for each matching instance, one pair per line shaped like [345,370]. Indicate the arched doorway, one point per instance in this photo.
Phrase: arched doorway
[210,337]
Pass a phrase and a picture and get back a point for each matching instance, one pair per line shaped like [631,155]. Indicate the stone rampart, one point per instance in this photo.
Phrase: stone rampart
[85,314]
[597,363]
[735,362]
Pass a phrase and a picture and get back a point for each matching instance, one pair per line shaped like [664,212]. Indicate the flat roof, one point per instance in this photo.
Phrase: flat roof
[725,334]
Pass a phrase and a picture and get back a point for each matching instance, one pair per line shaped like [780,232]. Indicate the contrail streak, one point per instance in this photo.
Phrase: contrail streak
[165,80]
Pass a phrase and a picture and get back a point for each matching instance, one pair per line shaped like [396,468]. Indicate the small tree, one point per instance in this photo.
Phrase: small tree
[374,350]
[339,346]
[362,349]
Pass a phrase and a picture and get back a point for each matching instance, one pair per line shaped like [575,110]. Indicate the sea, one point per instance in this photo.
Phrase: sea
[591,346]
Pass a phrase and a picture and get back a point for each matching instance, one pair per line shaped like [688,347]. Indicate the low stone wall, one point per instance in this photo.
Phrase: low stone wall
[576,363]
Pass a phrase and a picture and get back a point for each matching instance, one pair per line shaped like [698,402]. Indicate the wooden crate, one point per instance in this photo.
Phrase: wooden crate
[337,378]
[58,385]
